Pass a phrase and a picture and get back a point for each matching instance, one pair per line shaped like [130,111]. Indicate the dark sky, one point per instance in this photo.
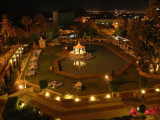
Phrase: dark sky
[49,5]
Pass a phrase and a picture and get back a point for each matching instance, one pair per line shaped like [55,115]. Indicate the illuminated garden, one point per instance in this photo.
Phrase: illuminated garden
[80,60]
[91,85]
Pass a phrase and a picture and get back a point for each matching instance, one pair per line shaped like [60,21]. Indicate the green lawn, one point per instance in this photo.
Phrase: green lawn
[128,80]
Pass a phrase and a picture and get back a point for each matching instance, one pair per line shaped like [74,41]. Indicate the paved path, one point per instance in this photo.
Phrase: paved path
[102,111]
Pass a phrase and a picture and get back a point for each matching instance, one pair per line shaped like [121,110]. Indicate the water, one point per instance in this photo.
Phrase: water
[104,62]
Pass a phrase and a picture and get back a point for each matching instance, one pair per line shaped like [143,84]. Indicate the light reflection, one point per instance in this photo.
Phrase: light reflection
[79,63]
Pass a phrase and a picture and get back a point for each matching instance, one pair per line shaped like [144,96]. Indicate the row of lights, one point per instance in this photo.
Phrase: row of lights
[92,98]
[144,91]
[17,54]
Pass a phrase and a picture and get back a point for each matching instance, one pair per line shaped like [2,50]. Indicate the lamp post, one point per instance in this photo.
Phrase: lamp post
[24,81]
[84,27]
[107,78]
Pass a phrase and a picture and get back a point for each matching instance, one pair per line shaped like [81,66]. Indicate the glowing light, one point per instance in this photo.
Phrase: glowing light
[108,96]
[57,119]
[92,98]
[22,48]
[138,108]
[14,60]
[20,87]
[151,68]
[157,90]
[143,91]
[106,76]
[157,67]
[47,94]
[17,55]
[58,98]
[68,96]
[20,51]
[76,100]
[10,61]
[22,105]
[39,112]
[137,62]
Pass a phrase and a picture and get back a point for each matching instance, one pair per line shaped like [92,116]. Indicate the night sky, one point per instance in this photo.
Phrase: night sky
[49,5]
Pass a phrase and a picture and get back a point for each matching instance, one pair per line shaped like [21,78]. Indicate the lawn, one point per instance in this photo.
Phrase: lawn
[127,80]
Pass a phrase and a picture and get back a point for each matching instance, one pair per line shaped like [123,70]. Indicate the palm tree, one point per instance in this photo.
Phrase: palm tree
[26,21]
[7,28]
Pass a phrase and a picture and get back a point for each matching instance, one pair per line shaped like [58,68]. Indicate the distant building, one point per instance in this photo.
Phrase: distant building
[104,21]
[63,18]
[55,17]
[114,22]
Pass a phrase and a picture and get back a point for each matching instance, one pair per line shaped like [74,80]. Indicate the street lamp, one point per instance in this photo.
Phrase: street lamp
[106,77]
[157,90]
[84,27]
[76,100]
[108,96]
[20,87]
[58,98]
[92,98]
[143,91]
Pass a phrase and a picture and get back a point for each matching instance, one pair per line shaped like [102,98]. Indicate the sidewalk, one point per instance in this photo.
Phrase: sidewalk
[101,111]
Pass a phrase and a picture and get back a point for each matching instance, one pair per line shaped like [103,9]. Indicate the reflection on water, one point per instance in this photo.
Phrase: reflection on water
[104,62]
[79,63]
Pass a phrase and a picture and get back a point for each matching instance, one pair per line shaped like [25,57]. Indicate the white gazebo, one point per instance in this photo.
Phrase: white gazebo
[79,49]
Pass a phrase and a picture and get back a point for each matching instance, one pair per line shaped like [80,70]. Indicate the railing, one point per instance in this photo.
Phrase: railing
[7,56]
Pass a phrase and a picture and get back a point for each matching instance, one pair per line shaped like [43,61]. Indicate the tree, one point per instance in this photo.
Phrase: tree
[140,39]
[21,35]
[119,32]
[113,87]
[39,19]
[91,28]
[152,12]
[143,83]
[43,84]
[26,21]
[7,30]
[142,108]
[153,22]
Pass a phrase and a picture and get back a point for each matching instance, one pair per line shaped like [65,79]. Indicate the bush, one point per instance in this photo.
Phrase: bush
[142,108]
[143,83]
[43,84]
[11,107]
[29,112]
[113,86]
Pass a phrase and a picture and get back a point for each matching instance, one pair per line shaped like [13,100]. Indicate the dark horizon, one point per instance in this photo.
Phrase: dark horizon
[50,5]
